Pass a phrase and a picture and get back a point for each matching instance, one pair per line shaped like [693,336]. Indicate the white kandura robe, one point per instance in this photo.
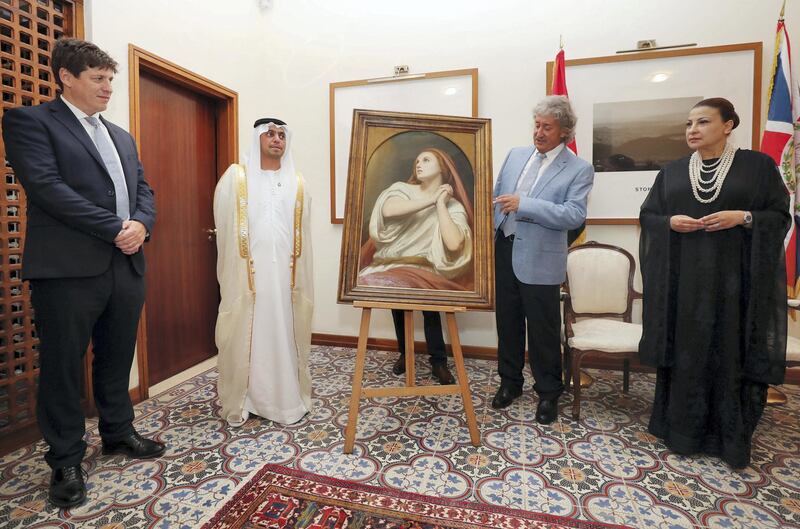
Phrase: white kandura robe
[267,374]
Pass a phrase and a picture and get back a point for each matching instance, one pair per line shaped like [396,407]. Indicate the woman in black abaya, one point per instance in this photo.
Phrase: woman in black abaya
[714,307]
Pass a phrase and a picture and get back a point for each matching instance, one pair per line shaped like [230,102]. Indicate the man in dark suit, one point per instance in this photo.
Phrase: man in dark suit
[434,339]
[89,212]
[540,194]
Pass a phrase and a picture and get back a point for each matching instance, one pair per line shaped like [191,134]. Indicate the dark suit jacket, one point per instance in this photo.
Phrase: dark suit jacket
[72,219]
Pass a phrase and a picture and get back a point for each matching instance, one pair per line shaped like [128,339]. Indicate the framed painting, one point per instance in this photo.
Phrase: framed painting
[632,112]
[450,92]
[418,217]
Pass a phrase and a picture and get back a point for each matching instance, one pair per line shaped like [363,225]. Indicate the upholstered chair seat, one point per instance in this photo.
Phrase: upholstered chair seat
[610,336]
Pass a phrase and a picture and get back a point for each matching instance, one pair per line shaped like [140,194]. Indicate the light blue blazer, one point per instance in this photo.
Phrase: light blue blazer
[555,205]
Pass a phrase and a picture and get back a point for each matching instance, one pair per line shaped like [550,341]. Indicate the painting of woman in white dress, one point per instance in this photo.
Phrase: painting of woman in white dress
[418,232]
[418,217]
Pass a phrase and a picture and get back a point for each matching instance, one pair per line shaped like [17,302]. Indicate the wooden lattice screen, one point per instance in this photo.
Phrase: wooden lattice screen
[28,30]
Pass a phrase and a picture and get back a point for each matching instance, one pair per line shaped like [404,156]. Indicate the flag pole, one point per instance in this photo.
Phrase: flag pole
[559,87]
[775,397]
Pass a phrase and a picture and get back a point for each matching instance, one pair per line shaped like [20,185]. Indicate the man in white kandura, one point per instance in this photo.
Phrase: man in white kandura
[264,268]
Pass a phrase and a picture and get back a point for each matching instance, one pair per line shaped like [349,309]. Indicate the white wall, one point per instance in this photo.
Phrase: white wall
[222,41]
[282,60]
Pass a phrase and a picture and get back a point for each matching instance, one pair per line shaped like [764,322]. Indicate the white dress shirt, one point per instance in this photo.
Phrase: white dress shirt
[549,156]
[90,130]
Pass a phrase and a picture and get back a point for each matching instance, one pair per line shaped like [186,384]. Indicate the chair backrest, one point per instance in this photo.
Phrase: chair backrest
[600,280]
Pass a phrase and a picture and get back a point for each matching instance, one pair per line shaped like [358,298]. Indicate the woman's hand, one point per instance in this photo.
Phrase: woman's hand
[451,234]
[443,194]
[685,224]
[723,220]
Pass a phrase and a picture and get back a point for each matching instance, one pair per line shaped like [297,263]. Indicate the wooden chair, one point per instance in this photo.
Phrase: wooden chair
[597,311]
[792,352]
[792,343]
[776,397]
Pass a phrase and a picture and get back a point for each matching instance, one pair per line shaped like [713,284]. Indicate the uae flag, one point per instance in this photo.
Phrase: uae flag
[781,138]
[559,88]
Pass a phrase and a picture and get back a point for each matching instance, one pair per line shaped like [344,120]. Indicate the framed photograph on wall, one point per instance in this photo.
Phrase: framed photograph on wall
[418,218]
[451,92]
[632,112]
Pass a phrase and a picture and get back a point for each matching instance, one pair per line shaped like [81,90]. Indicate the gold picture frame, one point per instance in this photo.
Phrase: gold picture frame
[404,257]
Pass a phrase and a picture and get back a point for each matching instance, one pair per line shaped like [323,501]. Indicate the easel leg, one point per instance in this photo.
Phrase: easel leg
[408,326]
[358,377]
[463,381]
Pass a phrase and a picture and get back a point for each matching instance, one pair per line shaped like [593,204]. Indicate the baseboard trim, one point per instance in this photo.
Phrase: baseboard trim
[19,438]
[384,344]
[31,434]
[490,353]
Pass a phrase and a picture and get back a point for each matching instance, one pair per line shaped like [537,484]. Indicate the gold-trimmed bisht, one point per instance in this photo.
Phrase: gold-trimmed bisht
[298,226]
[243,227]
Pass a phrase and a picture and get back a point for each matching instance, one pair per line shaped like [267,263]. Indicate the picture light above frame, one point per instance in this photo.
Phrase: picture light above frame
[451,92]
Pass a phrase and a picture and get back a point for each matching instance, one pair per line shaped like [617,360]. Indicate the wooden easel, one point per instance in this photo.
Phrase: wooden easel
[462,385]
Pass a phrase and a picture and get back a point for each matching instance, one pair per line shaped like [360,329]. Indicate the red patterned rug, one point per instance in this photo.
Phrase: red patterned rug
[284,498]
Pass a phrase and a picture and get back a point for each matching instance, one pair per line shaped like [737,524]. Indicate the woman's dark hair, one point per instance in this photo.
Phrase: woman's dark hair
[724,107]
[77,55]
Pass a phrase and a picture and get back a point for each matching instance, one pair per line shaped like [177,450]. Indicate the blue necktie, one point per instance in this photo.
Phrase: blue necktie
[109,155]
[528,179]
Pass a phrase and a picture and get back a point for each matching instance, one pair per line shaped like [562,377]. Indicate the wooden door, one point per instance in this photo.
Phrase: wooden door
[178,147]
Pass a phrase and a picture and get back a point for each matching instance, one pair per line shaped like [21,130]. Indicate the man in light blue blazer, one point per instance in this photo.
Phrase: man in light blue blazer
[540,195]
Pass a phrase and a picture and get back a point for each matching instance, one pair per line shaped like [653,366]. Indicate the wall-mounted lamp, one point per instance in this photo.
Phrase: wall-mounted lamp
[650,45]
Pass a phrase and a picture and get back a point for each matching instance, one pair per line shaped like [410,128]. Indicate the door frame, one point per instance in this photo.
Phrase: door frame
[227,114]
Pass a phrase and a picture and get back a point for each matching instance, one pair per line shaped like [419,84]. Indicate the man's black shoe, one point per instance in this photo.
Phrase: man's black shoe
[399,366]
[505,396]
[442,374]
[547,410]
[135,446]
[67,488]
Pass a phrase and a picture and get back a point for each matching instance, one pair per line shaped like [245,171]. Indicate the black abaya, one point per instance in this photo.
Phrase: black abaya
[714,308]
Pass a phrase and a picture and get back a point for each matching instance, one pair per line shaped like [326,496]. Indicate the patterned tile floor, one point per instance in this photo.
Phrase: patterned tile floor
[605,467]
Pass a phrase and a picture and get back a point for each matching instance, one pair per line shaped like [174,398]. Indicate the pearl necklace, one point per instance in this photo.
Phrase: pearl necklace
[718,171]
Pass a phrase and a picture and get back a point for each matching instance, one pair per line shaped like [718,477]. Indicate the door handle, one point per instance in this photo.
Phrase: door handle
[212,233]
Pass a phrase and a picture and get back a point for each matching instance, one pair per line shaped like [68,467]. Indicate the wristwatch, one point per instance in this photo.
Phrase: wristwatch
[748,218]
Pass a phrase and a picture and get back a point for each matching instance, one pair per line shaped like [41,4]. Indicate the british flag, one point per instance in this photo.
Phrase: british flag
[781,140]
